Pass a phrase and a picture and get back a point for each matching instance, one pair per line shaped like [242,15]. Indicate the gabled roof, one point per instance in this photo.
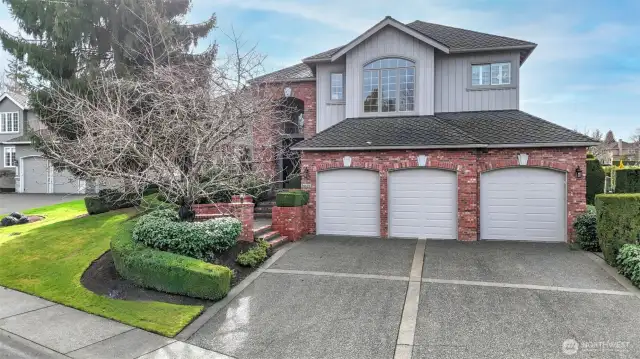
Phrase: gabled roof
[19,99]
[482,129]
[389,21]
[457,40]
[299,72]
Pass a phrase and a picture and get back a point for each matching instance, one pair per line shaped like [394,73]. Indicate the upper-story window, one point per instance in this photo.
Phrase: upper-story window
[9,122]
[337,86]
[491,74]
[389,85]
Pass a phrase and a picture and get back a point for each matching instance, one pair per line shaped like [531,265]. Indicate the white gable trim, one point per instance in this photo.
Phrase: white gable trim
[6,95]
[389,21]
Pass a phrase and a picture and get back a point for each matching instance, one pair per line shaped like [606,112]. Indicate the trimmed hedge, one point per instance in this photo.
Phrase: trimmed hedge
[109,200]
[595,180]
[628,262]
[163,231]
[295,198]
[627,180]
[254,256]
[618,222]
[586,230]
[95,205]
[167,272]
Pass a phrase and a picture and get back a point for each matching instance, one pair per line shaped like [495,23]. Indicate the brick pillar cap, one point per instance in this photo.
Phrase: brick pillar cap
[247,199]
[235,199]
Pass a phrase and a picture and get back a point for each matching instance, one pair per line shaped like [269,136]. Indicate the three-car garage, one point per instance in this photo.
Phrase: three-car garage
[517,203]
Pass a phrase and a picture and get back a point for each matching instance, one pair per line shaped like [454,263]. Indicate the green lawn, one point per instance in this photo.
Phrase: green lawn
[48,258]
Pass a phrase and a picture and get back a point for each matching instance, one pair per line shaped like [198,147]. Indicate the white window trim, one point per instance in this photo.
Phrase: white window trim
[511,83]
[6,122]
[331,86]
[4,156]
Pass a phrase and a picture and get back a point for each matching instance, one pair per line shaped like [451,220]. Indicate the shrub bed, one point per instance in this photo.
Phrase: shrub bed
[163,231]
[168,272]
[295,198]
[595,180]
[254,256]
[618,222]
[586,230]
[628,262]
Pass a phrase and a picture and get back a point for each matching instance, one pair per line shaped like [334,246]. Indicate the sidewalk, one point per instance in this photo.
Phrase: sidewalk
[31,327]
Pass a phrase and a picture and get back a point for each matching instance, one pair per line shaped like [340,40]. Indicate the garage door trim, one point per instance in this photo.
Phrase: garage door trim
[49,175]
[565,203]
[318,194]
[431,169]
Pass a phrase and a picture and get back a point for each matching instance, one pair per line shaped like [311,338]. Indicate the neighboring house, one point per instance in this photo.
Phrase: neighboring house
[23,168]
[614,151]
[414,130]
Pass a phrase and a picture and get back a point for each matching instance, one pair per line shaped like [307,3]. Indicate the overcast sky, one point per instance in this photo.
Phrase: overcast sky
[584,74]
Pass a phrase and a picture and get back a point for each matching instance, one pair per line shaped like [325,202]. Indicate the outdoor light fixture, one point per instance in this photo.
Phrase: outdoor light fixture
[578,172]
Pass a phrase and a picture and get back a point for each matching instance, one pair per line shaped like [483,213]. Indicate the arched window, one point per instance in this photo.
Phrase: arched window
[389,85]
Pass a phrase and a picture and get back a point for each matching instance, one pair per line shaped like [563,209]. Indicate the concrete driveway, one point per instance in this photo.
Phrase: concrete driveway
[18,202]
[336,297]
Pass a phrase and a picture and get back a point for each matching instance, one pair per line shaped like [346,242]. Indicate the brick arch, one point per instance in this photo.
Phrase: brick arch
[502,164]
[436,165]
[336,165]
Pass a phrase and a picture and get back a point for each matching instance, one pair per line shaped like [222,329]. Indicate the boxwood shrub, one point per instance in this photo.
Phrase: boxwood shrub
[627,180]
[95,205]
[167,272]
[294,198]
[254,256]
[586,230]
[618,222]
[162,230]
[595,180]
[109,200]
[628,262]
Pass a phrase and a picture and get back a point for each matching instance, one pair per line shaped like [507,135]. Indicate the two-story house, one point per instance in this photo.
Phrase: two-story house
[23,168]
[414,130]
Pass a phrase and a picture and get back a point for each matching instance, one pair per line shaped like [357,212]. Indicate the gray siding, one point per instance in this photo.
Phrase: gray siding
[9,182]
[34,122]
[8,106]
[328,112]
[453,90]
[390,42]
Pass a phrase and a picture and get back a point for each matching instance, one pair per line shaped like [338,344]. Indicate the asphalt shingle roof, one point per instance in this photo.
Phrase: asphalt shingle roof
[295,72]
[447,129]
[23,138]
[22,100]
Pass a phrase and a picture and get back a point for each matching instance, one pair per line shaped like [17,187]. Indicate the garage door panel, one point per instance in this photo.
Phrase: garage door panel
[523,204]
[422,204]
[348,202]
[35,175]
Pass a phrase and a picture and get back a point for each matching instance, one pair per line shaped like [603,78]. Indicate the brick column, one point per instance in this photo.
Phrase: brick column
[384,204]
[242,207]
[290,221]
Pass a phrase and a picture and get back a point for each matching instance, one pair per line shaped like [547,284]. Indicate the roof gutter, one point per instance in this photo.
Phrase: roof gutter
[16,143]
[434,147]
[258,82]
[501,48]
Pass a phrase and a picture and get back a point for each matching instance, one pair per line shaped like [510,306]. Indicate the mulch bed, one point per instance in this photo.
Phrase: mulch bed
[103,279]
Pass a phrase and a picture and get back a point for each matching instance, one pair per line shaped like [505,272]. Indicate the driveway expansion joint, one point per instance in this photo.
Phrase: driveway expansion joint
[526,286]
[336,274]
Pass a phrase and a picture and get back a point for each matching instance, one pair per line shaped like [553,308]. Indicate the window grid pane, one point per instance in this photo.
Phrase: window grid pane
[337,88]
[388,94]
[491,74]
[9,156]
[389,85]
[370,91]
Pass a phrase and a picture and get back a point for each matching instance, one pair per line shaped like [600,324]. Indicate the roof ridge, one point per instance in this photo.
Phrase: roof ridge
[474,31]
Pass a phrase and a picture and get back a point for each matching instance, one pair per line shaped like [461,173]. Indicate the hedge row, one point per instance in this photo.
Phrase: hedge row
[109,200]
[295,198]
[595,180]
[628,262]
[627,180]
[618,222]
[167,272]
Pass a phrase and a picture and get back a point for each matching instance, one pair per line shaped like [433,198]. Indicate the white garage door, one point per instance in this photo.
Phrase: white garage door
[423,204]
[348,202]
[526,204]
[65,182]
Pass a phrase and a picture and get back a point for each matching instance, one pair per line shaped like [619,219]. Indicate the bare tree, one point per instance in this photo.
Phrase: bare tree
[599,151]
[186,126]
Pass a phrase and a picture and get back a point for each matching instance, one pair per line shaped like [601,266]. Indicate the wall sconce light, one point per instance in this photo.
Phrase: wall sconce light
[578,172]
[422,160]
[305,172]
[346,161]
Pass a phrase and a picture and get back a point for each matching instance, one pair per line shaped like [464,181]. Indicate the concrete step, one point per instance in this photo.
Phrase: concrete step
[262,215]
[262,209]
[277,242]
[257,232]
[267,204]
[269,235]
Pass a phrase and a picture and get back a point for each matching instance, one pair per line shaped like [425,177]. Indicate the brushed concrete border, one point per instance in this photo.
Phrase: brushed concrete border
[626,283]
[187,332]
[526,286]
[407,329]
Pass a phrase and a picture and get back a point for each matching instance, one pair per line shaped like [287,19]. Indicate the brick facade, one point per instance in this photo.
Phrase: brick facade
[291,222]
[469,165]
[263,153]
[240,208]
